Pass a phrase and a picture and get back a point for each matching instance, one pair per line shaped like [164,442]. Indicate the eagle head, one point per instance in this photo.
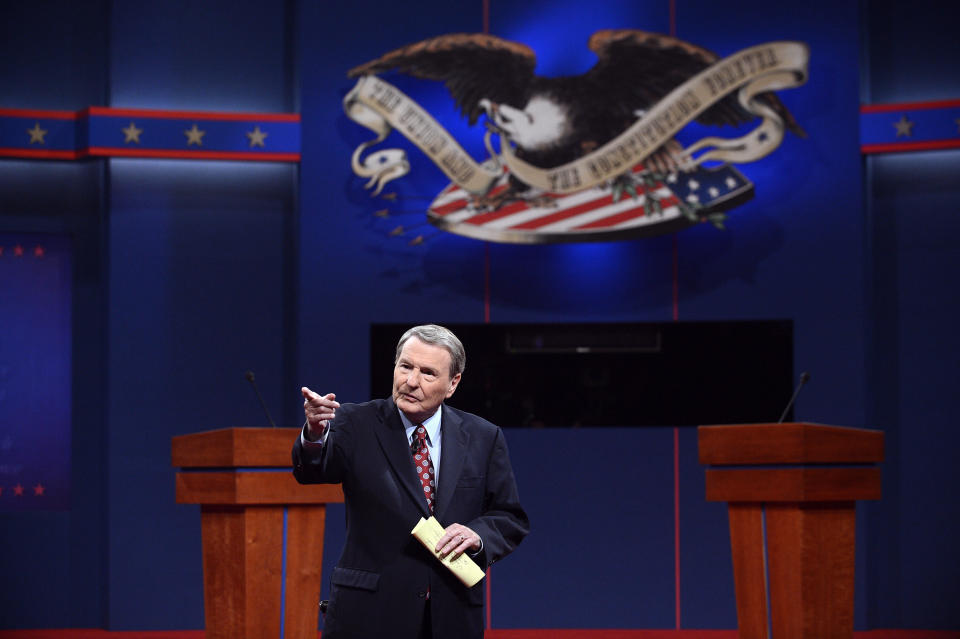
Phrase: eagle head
[540,125]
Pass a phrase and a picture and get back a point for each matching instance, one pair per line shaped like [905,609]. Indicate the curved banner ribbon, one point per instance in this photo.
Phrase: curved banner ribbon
[381,107]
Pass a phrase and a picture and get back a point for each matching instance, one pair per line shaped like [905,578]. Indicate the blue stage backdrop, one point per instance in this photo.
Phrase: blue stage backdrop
[35,294]
[186,274]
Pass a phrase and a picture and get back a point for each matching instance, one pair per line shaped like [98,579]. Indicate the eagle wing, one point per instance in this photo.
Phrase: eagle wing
[644,67]
[471,66]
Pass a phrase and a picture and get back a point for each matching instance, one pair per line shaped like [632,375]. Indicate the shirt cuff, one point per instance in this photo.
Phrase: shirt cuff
[313,444]
[475,554]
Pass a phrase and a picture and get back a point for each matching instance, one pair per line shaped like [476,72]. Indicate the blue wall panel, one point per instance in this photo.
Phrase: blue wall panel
[908,51]
[35,414]
[54,54]
[706,567]
[222,55]
[36,286]
[600,549]
[914,198]
[197,299]
[66,587]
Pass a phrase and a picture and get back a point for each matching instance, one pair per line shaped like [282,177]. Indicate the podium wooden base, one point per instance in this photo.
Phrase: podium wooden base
[809,556]
[262,532]
[791,491]
[248,585]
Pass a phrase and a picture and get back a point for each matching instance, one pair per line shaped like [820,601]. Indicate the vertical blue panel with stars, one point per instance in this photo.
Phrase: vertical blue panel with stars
[35,368]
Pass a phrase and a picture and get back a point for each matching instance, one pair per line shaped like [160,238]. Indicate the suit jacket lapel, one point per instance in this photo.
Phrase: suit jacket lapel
[396,448]
[455,444]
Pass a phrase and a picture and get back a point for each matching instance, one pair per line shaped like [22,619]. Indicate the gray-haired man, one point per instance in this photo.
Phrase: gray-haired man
[400,459]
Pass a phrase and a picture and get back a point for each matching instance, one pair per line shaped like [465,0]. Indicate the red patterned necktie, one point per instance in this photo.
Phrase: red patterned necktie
[424,465]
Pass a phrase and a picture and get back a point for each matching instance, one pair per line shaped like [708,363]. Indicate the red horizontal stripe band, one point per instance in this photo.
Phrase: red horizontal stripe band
[613,220]
[492,633]
[504,211]
[895,147]
[46,154]
[38,113]
[192,115]
[450,207]
[196,155]
[909,106]
[559,216]
[619,218]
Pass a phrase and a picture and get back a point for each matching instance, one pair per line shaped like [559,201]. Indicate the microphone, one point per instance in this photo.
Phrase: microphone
[804,378]
[253,382]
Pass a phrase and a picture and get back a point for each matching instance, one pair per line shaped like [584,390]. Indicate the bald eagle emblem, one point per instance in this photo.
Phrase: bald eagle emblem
[592,157]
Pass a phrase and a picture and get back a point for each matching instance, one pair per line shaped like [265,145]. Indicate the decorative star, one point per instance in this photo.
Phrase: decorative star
[194,136]
[36,134]
[18,490]
[256,137]
[131,134]
[18,251]
[904,127]
[39,251]
[38,490]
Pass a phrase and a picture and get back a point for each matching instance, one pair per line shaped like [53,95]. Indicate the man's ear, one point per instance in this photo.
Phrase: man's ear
[453,384]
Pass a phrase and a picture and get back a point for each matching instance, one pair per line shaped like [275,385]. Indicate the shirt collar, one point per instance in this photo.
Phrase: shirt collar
[432,424]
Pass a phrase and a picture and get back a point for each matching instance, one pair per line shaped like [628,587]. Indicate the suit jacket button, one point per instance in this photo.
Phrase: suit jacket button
[422,594]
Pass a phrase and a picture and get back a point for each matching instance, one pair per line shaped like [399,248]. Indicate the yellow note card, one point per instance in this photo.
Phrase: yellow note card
[429,532]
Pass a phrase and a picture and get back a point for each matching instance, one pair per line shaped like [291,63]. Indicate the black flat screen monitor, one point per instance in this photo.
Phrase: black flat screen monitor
[620,374]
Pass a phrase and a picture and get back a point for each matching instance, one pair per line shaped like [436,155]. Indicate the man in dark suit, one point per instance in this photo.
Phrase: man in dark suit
[400,459]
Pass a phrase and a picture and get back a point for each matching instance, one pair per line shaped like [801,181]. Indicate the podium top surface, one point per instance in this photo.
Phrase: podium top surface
[235,447]
[790,443]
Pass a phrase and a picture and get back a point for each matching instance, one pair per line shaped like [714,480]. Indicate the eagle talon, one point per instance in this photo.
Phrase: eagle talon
[625,183]
[485,203]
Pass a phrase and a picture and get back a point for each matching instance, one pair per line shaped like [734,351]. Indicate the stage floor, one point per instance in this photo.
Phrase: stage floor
[540,633]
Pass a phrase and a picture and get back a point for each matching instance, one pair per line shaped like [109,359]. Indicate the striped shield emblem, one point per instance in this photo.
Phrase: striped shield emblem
[647,206]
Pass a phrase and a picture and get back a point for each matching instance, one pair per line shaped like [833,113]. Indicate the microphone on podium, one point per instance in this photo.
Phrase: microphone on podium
[804,378]
[253,382]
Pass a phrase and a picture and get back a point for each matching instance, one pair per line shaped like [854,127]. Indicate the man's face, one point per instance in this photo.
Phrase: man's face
[421,379]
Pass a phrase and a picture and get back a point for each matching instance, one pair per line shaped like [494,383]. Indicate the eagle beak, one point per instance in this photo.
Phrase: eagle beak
[491,108]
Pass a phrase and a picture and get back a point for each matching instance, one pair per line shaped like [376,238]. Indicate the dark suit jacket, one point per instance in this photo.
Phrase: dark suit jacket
[379,586]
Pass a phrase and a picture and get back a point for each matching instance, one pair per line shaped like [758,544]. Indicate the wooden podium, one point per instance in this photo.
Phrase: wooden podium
[262,531]
[792,491]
